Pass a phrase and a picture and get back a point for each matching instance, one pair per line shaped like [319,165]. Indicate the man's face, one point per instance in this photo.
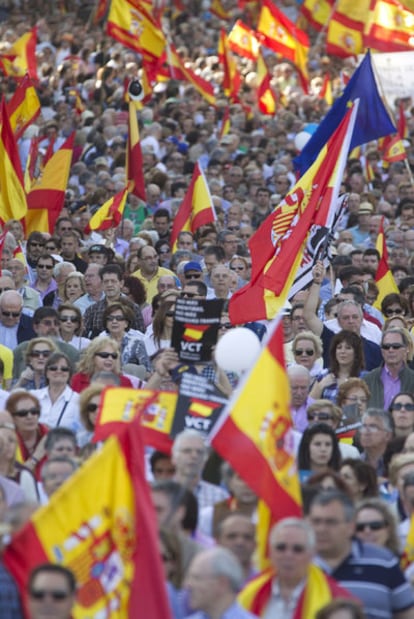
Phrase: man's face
[201,584]
[63,227]
[230,245]
[190,456]
[111,285]
[47,326]
[50,597]
[333,533]
[373,434]
[210,262]
[63,447]
[299,388]
[11,309]
[393,349]
[44,269]
[185,242]
[237,533]
[161,225]
[220,277]
[370,262]
[148,261]
[298,321]
[17,270]
[350,318]
[166,282]
[289,554]
[69,247]
[35,249]
[190,291]
[97,258]
[55,474]
[92,280]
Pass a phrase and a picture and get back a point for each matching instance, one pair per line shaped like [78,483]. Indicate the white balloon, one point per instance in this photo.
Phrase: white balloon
[301,139]
[237,350]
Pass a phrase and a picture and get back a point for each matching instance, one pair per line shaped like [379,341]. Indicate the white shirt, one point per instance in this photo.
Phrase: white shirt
[67,403]
[368,330]
[8,336]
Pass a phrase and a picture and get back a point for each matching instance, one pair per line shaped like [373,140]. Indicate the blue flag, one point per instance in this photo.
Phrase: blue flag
[372,122]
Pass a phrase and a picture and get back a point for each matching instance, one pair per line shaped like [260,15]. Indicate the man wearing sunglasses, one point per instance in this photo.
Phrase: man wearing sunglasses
[45,282]
[15,327]
[393,376]
[51,592]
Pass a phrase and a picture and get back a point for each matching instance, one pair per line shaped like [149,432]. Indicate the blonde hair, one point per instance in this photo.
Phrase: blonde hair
[87,362]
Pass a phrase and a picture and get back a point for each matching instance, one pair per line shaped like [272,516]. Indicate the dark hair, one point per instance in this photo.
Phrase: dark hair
[72,308]
[127,312]
[44,312]
[317,478]
[354,340]
[200,285]
[53,568]
[161,212]
[304,462]
[394,298]
[330,496]
[136,289]
[113,269]
[159,319]
[365,475]
[56,434]
[341,604]
[56,356]
[190,519]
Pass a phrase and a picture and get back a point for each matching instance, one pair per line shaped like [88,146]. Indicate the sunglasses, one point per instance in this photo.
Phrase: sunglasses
[308,352]
[193,275]
[188,295]
[34,244]
[373,525]
[398,406]
[115,318]
[44,266]
[106,355]
[55,368]
[91,407]
[40,353]
[320,416]
[30,411]
[240,268]
[68,319]
[56,595]
[8,314]
[392,346]
[170,314]
[394,312]
[297,549]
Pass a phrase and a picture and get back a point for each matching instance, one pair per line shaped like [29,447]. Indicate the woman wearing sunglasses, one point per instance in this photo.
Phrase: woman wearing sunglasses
[59,404]
[375,524]
[102,355]
[37,353]
[70,326]
[24,407]
[89,406]
[402,414]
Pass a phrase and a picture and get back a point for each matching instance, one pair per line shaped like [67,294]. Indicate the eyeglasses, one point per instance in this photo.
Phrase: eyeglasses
[40,353]
[373,525]
[370,427]
[356,399]
[240,268]
[68,319]
[233,228]
[115,318]
[5,289]
[188,295]
[56,595]
[170,314]
[8,314]
[297,549]
[35,244]
[106,355]
[55,368]
[193,275]
[393,312]
[392,346]
[30,411]
[398,406]
[91,407]
[320,416]
[44,266]
[308,352]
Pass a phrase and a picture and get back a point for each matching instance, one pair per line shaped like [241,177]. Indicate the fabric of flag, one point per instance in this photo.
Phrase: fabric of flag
[24,52]
[225,122]
[231,79]
[119,405]
[407,557]
[390,27]
[196,209]
[134,164]
[346,28]
[19,254]
[109,215]
[279,246]
[402,122]
[384,278]
[368,171]
[76,100]
[46,198]
[282,36]
[262,444]
[319,590]
[243,41]
[326,89]
[31,163]
[216,7]
[266,99]
[317,12]
[104,532]
[100,11]
[131,24]
[393,149]
[24,107]
[13,203]
[181,72]
[373,120]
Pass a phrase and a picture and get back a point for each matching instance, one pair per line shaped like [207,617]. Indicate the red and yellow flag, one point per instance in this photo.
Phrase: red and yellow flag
[266,99]
[13,203]
[225,122]
[130,23]
[231,80]
[393,149]
[134,165]
[346,28]
[196,209]
[109,215]
[278,247]
[179,70]
[243,41]
[21,57]
[46,198]
[383,278]
[100,10]
[326,89]
[408,554]
[282,36]
[317,12]
[216,7]
[389,27]
[24,107]
[104,532]
[262,444]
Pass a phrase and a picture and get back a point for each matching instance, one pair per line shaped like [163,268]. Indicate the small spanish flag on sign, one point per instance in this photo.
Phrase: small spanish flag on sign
[194,333]
[202,408]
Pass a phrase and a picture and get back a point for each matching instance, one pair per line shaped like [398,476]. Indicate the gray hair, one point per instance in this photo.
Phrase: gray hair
[342,305]
[296,371]
[59,266]
[298,523]
[188,433]
[330,496]
[381,415]
[224,563]
[50,461]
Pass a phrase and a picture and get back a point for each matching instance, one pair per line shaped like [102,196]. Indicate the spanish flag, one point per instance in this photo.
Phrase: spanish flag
[278,246]
[13,203]
[402,122]
[45,199]
[266,100]
[326,90]
[180,71]
[346,28]
[100,11]
[24,107]
[389,27]
[408,554]
[24,52]
[231,81]
[134,165]
[243,41]
[317,12]
[319,590]
[216,7]
[196,209]
[109,215]
[393,149]
[225,122]
[383,278]
[101,525]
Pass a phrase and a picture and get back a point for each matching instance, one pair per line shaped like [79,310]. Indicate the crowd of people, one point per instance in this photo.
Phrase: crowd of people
[91,309]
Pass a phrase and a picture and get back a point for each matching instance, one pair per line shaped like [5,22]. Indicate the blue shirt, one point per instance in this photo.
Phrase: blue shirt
[235,611]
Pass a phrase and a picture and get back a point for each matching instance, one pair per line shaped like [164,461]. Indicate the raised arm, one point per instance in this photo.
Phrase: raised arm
[311,304]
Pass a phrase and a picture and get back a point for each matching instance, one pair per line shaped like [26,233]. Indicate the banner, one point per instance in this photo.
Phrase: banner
[196,325]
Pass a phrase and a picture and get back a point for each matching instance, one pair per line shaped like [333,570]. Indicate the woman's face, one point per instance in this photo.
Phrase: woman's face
[403,412]
[58,372]
[116,323]
[344,354]
[320,449]
[104,360]
[133,264]
[26,415]
[68,321]
[349,477]
[240,268]
[9,444]
[371,527]
[39,355]
[92,408]
[357,396]
[73,289]
[305,353]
